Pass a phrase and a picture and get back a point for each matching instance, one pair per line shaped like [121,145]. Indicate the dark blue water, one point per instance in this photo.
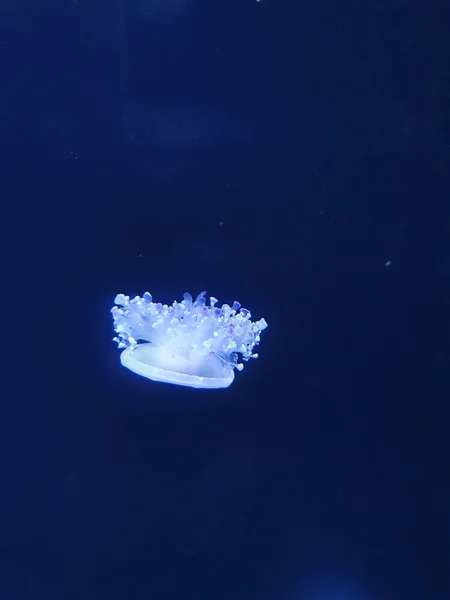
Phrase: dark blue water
[294,157]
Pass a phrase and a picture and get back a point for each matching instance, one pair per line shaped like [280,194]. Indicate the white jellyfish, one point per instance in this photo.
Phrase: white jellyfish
[188,343]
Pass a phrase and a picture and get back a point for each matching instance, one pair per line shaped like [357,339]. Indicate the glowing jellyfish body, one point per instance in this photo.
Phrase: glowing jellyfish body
[187,343]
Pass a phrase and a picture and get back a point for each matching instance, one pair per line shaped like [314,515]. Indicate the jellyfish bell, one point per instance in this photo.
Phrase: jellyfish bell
[160,364]
[188,343]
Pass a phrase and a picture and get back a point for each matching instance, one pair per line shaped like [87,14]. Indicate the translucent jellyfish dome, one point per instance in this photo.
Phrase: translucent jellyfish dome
[188,343]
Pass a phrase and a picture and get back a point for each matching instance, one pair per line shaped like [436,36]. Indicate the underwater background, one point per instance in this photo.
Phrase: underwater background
[290,156]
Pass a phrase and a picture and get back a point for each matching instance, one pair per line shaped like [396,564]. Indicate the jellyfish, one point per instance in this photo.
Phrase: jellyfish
[189,343]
